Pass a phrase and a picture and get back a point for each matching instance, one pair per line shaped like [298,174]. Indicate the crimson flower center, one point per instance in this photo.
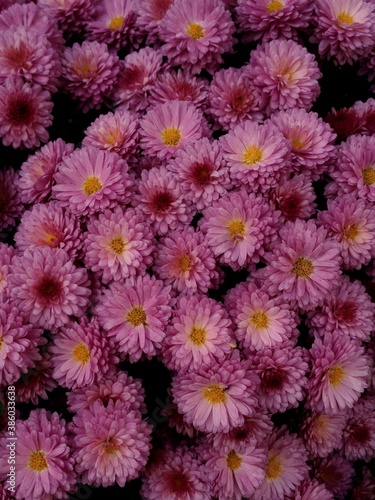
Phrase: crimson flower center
[201,174]
[161,202]
[20,110]
[178,483]
[360,433]
[49,289]
[273,378]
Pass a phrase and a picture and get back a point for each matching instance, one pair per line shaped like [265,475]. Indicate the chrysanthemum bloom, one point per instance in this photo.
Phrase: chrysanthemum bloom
[311,140]
[365,488]
[184,260]
[6,256]
[137,74]
[336,473]
[113,23]
[285,465]
[256,155]
[286,75]
[25,114]
[235,472]
[352,223]
[48,225]
[36,174]
[237,226]
[47,287]
[176,420]
[118,244]
[11,202]
[217,399]
[89,72]
[18,344]
[233,98]
[340,373]
[270,19]
[345,122]
[112,444]
[28,54]
[43,457]
[135,314]
[169,127]
[196,33]
[180,477]
[311,489]
[91,180]
[71,15]
[322,433]
[116,132]
[199,335]
[343,29]
[201,172]
[366,111]
[359,434]
[150,13]
[306,267]
[348,311]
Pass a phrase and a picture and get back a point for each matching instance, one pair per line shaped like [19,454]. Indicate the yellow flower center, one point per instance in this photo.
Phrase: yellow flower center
[50,239]
[84,68]
[116,23]
[345,18]
[297,143]
[91,185]
[81,354]
[184,263]
[137,316]
[1,342]
[319,424]
[171,136]
[197,336]
[214,394]
[259,319]
[352,232]
[274,468]
[303,268]
[252,155]
[110,448]
[274,6]
[368,175]
[37,461]
[336,374]
[117,245]
[234,461]
[236,229]
[195,30]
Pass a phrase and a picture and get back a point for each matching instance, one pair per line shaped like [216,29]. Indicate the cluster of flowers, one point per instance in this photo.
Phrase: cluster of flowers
[115,248]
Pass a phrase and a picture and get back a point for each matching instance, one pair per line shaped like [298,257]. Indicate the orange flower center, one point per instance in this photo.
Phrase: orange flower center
[303,268]
[274,468]
[335,375]
[37,461]
[274,6]
[252,155]
[236,229]
[259,319]
[117,245]
[91,185]
[116,23]
[197,336]
[81,354]
[368,175]
[352,232]
[345,18]
[171,136]
[195,31]
[234,461]
[137,316]
[185,263]
[214,394]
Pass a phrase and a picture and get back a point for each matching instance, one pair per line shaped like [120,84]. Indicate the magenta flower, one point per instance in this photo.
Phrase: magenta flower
[71,15]
[150,15]
[11,201]
[6,256]
[322,433]
[359,433]
[309,489]
[336,473]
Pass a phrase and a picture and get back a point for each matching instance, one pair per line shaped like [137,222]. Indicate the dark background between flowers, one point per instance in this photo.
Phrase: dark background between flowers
[340,87]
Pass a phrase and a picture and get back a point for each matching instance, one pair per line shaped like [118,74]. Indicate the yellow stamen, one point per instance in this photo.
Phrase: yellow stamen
[195,30]
[184,263]
[37,461]
[171,136]
[214,394]
[197,336]
[345,18]
[303,268]
[84,68]
[116,23]
[259,319]
[1,343]
[110,448]
[91,185]
[252,155]
[81,354]
[137,316]
[297,143]
[352,232]
[117,245]
[234,461]
[274,6]
[274,468]
[368,175]
[336,374]
[236,229]
[50,239]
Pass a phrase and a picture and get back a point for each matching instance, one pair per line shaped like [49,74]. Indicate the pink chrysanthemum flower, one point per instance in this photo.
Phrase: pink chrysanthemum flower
[311,489]
[114,386]
[137,75]
[176,420]
[343,29]
[118,244]
[285,465]
[335,473]
[112,444]
[25,114]
[198,336]
[233,98]
[81,354]
[115,132]
[11,201]
[150,15]
[345,122]
[18,344]
[294,198]
[179,477]
[201,172]
[135,314]
[217,399]
[91,180]
[322,433]
[6,256]
[352,223]
[196,33]
[89,73]
[181,86]
[160,199]
[45,467]
[366,486]
[48,288]
[256,155]
[311,140]
[36,174]
[348,311]
[48,225]
[340,373]
[286,75]
[237,226]
[358,441]
[168,127]
[306,267]
[366,112]
[184,260]
[270,19]
[235,472]
[71,15]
